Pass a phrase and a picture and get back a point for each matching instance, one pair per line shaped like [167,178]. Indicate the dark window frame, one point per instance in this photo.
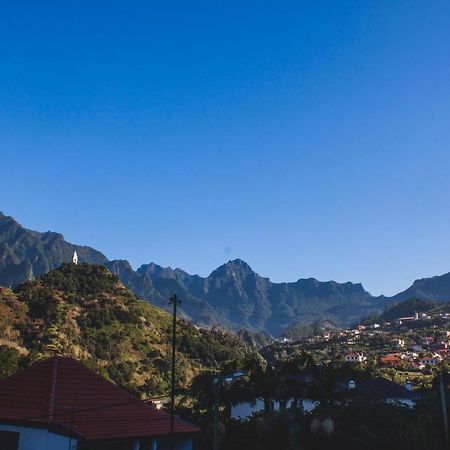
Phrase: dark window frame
[9,440]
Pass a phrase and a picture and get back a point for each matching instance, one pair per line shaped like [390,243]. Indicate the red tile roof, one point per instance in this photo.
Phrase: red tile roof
[61,392]
[390,358]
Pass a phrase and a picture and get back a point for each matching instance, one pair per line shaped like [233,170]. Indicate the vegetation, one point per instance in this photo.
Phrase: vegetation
[406,308]
[84,311]
[342,420]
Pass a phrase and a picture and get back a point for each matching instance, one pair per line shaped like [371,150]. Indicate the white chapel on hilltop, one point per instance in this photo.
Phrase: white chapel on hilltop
[75,258]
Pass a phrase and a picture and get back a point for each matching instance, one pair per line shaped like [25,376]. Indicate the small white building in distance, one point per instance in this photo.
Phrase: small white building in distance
[402,320]
[430,360]
[354,357]
[75,258]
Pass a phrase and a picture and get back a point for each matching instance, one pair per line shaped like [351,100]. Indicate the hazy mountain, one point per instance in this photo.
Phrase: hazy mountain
[25,254]
[407,308]
[233,295]
[434,288]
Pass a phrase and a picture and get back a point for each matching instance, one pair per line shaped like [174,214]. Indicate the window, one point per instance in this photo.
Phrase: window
[9,440]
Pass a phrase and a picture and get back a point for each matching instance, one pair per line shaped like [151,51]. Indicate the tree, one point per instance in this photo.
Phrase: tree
[10,360]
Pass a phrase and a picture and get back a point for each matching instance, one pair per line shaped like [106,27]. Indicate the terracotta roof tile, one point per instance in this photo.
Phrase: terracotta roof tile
[64,393]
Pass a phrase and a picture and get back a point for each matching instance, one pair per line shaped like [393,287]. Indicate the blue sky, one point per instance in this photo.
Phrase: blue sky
[309,138]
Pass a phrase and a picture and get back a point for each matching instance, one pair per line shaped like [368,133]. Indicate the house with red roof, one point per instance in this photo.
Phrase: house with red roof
[60,404]
[391,359]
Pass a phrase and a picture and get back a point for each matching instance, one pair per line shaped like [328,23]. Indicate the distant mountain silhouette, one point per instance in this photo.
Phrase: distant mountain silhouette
[235,296]
[434,288]
[25,254]
[232,296]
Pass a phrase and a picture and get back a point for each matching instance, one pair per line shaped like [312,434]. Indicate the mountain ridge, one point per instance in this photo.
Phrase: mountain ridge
[231,296]
[85,312]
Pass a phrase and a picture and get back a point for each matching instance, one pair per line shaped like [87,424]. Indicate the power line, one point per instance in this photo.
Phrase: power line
[95,408]
[223,309]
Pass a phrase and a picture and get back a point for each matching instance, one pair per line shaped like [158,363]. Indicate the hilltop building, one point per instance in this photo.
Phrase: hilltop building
[59,404]
[402,320]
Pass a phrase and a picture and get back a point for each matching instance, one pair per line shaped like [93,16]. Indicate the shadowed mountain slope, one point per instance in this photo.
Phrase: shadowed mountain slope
[232,296]
[25,254]
[85,312]
[434,288]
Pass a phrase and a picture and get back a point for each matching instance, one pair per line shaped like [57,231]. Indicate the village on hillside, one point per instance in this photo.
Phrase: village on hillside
[403,349]
[303,394]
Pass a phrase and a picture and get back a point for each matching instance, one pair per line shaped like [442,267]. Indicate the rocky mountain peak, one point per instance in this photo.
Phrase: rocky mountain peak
[234,268]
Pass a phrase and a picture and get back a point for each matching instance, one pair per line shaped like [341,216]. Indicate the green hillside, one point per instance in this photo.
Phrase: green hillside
[86,312]
[406,308]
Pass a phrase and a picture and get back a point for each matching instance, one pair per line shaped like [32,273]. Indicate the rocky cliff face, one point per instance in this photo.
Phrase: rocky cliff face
[434,288]
[25,254]
[235,295]
[232,296]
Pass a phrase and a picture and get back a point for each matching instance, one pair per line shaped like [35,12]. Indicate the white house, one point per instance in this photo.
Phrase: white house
[399,343]
[354,357]
[430,360]
[59,404]
[13,437]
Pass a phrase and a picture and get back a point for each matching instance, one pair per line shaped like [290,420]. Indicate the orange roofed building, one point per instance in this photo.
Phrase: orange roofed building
[391,359]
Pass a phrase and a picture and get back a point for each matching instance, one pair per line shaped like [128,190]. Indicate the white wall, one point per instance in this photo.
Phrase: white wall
[245,409]
[39,438]
[181,443]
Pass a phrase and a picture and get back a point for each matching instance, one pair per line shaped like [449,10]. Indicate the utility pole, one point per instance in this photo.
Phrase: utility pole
[174,302]
[217,382]
[444,407]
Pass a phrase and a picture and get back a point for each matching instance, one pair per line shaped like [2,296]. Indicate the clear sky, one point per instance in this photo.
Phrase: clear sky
[309,138]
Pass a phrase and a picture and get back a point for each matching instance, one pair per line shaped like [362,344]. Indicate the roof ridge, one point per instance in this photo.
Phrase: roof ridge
[100,406]
[51,404]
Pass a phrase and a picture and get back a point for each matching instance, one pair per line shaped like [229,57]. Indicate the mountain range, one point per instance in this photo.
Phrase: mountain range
[232,296]
[85,312]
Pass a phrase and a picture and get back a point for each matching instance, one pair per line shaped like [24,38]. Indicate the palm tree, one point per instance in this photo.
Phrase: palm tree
[262,381]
